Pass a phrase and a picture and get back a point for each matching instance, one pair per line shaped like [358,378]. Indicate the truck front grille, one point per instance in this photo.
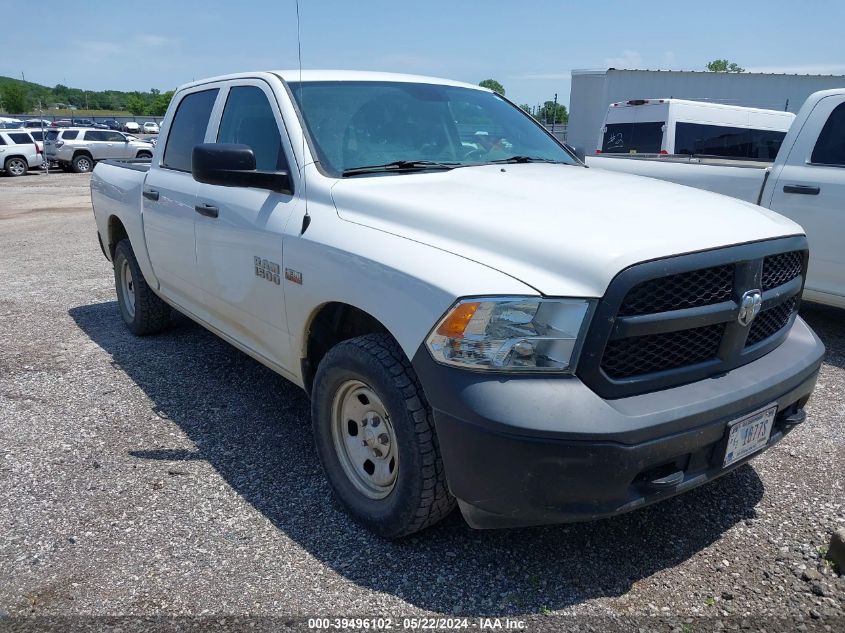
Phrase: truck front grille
[684,290]
[673,321]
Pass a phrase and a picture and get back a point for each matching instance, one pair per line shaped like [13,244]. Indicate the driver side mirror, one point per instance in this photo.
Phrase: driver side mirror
[233,165]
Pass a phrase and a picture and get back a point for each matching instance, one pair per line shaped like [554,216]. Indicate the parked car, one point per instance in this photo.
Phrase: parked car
[36,123]
[150,127]
[112,124]
[99,126]
[61,123]
[19,152]
[131,127]
[496,326]
[806,183]
[79,150]
[82,122]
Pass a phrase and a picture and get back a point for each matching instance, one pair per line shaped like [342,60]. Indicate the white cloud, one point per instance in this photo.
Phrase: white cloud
[151,41]
[629,60]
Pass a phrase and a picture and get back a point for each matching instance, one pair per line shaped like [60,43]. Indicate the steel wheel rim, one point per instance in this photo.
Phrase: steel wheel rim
[16,166]
[364,439]
[83,164]
[127,288]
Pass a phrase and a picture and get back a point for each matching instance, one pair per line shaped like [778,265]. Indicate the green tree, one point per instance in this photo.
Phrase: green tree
[724,66]
[160,103]
[135,104]
[551,112]
[526,107]
[493,85]
[14,97]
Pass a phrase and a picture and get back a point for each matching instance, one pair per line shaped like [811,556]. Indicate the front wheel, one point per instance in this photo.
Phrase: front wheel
[375,437]
[142,310]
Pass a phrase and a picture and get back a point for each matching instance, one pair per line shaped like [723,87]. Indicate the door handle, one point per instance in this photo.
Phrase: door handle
[805,189]
[150,194]
[207,210]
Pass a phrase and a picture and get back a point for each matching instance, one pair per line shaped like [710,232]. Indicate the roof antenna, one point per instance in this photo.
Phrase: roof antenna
[306,219]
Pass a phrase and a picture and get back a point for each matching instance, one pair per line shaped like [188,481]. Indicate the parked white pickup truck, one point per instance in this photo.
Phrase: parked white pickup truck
[476,316]
[806,183]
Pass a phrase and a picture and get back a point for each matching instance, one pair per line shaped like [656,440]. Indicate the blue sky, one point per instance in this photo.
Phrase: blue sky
[97,45]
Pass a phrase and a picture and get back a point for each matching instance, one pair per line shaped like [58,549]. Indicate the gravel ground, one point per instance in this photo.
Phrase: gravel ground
[175,476]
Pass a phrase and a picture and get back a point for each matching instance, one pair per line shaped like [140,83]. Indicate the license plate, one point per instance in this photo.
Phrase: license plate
[749,434]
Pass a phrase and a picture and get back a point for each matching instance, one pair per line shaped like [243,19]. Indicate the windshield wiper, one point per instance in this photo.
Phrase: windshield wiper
[399,165]
[524,159]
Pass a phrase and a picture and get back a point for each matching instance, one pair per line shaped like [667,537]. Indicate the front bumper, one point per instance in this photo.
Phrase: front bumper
[530,450]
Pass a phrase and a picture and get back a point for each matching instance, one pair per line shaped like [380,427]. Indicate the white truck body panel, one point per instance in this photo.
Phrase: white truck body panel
[819,213]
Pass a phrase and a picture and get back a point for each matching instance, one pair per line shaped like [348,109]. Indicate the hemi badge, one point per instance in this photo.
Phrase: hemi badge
[293,275]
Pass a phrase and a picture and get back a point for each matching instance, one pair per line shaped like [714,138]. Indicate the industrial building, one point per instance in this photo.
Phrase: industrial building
[593,90]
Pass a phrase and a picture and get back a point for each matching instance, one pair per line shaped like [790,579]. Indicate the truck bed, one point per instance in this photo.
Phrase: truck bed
[736,178]
[138,164]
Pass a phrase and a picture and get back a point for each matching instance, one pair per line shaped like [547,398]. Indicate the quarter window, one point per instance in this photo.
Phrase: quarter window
[248,119]
[188,129]
[21,139]
[70,135]
[830,147]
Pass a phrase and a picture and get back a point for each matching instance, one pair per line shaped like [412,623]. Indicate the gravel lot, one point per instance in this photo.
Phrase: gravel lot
[174,475]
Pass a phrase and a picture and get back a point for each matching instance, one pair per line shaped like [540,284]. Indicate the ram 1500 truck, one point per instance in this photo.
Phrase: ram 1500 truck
[477,317]
[806,183]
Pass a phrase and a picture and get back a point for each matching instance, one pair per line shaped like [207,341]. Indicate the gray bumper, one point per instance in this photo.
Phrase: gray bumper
[530,450]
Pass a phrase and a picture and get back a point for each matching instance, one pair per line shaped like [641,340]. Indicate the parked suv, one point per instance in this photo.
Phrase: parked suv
[19,152]
[79,149]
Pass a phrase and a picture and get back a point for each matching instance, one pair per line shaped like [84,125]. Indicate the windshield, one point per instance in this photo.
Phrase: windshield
[361,123]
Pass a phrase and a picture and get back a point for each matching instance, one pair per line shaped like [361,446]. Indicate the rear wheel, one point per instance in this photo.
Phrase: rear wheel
[142,310]
[376,440]
[82,164]
[16,166]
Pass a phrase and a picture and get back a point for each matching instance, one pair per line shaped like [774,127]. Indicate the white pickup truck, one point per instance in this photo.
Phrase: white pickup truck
[477,317]
[806,183]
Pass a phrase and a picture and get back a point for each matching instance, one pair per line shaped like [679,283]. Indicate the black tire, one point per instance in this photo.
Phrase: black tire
[15,166]
[420,496]
[149,315]
[82,164]
[144,155]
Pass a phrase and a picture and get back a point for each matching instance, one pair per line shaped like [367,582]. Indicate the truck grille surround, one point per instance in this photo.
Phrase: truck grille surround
[673,321]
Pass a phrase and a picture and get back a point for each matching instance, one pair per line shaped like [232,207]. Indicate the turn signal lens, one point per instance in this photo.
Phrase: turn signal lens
[454,325]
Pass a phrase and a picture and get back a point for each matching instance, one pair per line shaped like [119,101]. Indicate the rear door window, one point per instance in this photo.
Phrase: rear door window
[188,129]
[633,138]
[830,146]
[729,142]
[93,135]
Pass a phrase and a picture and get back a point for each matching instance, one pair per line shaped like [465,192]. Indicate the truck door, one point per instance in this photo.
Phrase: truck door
[169,196]
[810,190]
[239,239]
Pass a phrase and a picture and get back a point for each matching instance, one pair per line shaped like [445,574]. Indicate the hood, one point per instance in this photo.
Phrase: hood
[564,230]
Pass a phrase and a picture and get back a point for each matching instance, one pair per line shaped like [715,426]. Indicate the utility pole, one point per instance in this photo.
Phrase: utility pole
[554,115]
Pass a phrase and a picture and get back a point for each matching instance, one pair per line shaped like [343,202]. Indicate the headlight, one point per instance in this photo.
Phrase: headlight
[511,334]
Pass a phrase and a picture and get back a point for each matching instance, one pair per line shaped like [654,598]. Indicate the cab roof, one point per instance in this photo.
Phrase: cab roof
[338,75]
